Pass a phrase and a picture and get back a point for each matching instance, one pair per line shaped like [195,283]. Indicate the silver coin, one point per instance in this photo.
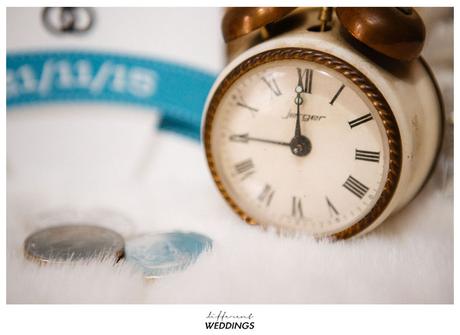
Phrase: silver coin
[73,243]
[161,254]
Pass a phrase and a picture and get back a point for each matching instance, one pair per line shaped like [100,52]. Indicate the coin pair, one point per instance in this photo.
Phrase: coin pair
[156,254]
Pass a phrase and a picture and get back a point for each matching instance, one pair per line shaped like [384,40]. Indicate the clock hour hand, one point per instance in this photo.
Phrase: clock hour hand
[245,138]
[300,145]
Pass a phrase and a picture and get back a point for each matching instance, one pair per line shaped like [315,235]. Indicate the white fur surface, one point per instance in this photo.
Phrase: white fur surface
[107,167]
[408,260]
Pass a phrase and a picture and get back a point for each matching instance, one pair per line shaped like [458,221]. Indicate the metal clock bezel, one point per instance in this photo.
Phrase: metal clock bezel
[361,81]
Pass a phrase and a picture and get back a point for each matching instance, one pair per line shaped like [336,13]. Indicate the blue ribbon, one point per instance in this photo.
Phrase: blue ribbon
[177,91]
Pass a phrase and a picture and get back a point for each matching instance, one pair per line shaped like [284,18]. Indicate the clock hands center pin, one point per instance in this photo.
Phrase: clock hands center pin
[300,144]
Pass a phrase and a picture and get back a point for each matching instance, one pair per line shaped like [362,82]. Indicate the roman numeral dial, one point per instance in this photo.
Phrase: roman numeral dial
[296,209]
[266,196]
[334,98]
[261,116]
[305,79]
[356,187]
[245,168]
[360,120]
[240,101]
[272,85]
[332,210]
[369,156]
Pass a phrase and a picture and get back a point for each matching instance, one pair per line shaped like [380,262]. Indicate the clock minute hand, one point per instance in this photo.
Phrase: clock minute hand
[298,101]
[300,144]
[245,138]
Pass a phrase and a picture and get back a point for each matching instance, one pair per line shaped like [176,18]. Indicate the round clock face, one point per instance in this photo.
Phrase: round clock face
[295,144]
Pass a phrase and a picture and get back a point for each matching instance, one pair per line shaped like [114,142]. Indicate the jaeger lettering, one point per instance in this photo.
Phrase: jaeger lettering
[304,117]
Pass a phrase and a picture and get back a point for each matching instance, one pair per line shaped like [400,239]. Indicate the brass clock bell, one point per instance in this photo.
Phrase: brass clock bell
[395,32]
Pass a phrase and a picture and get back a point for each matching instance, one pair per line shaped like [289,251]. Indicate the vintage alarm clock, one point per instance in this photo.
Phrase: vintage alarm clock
[324,122]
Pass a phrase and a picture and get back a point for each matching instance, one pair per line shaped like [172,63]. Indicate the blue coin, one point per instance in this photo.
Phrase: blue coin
[164,253]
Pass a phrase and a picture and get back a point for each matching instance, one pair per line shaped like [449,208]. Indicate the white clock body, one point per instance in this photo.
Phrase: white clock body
[343,175]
